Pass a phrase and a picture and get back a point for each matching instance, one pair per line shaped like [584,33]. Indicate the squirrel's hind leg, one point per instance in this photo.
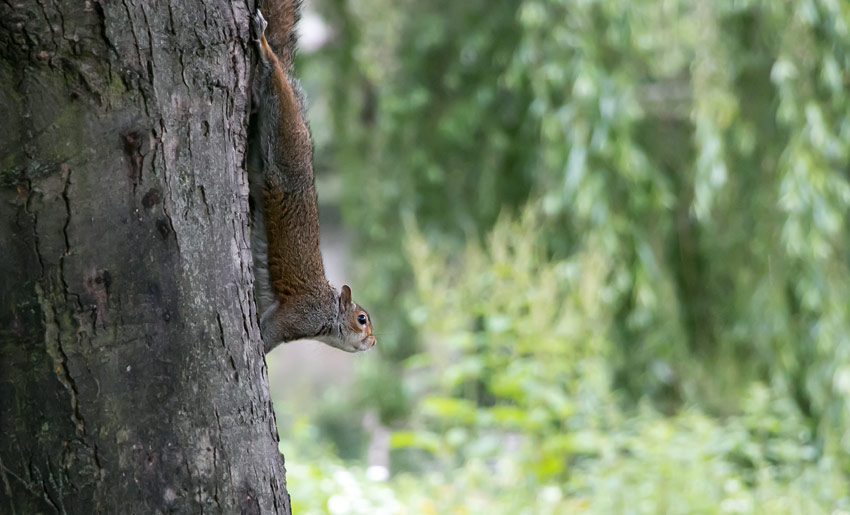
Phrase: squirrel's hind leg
[258,26]
[258,35]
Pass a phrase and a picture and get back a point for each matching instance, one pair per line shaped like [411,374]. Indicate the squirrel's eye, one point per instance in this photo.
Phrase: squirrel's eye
[361,318]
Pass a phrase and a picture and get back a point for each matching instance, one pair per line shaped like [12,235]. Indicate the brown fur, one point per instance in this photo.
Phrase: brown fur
[289,196]
[282,16]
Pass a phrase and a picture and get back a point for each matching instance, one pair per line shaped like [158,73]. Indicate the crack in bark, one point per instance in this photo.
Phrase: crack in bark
[245,327]
[53,343]
[151,48]
[226,458]
[8,487]
[136,46]
[101,14]
[28,209]
[183,70]
[27,483]
[215,472]
[236,25]
[195,30]
[35,473]
[47,21]
[131,142]
[203,192]
[66,175]
[166,176]
[62,25]
[171,17]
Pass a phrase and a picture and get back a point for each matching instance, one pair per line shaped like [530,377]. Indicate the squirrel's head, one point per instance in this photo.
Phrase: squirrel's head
[355,325]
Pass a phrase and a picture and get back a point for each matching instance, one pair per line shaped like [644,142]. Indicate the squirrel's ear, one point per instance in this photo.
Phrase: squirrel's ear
[345,297]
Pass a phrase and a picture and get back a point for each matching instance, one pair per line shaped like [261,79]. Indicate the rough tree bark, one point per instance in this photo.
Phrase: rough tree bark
[132,377]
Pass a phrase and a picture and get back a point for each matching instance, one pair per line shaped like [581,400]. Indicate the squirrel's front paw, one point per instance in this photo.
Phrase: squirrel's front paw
[258,25]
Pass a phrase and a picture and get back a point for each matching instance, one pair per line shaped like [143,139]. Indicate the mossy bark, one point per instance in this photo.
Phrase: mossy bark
[132,377]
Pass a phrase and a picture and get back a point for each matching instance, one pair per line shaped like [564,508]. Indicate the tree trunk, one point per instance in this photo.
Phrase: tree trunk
[132,377]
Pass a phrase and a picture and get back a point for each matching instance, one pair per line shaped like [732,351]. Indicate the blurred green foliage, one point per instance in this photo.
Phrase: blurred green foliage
[605,246]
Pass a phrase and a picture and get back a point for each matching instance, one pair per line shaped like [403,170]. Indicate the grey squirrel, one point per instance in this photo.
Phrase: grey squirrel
[301,303]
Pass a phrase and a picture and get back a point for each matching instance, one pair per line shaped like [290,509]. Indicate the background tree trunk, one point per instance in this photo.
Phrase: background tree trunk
[132,377]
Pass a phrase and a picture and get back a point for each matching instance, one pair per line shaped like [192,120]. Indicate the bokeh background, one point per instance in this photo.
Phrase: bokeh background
[605,246]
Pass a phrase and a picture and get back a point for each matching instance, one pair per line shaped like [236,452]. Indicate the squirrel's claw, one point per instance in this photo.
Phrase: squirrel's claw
[258,25]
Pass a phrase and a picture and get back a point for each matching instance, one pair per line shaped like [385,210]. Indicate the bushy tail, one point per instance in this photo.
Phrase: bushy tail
[282,16]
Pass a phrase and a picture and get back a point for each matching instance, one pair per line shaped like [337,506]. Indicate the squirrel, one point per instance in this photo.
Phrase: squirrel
[302,302]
